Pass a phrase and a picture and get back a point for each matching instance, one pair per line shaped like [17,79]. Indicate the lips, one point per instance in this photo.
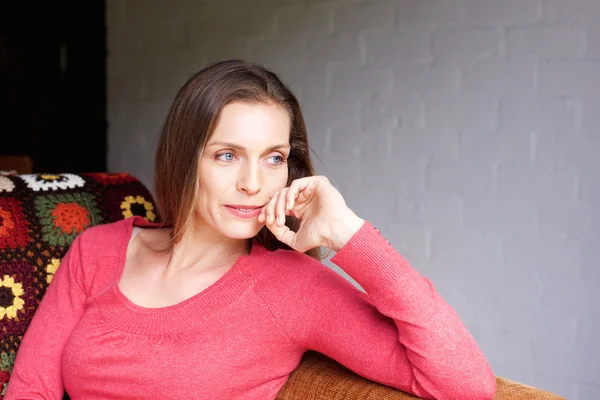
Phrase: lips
[244,207]
[244,211]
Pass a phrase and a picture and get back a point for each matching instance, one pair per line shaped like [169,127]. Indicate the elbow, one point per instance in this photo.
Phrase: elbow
[475,387]
[489,388]
[482,388]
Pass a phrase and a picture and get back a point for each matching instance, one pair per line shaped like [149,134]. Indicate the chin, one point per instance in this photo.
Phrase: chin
[240,230]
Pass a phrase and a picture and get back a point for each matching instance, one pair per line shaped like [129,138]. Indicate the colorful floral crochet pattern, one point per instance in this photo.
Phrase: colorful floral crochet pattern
[47,182]
[64,216]
[6,184]
[13,225]
[40,216]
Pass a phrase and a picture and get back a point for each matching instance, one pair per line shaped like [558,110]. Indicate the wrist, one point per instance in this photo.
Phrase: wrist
[341,230]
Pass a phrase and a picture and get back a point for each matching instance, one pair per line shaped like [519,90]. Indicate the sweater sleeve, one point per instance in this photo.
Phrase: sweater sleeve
[400,333]
[37,370]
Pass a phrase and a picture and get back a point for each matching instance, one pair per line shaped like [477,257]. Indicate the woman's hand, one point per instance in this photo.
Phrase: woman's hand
[325,219]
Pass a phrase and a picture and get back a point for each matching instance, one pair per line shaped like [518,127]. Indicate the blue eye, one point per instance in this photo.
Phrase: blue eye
[225,156]
[278,158]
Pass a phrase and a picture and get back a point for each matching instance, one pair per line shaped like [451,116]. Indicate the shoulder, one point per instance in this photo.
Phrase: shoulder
[103,240]
[289,271]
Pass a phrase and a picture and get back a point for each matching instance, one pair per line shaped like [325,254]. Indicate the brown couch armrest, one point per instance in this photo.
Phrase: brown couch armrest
[319,377]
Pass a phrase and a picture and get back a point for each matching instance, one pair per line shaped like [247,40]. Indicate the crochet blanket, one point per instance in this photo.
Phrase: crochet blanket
[40,216]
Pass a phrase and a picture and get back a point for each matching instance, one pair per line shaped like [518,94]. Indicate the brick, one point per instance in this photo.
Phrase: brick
[559,216]
[593,41]
[536,183]
[546,255]
[546,42]
[361,82]
[163,36]
[590,256]
[590,117]
[465,247]
[153,62]
[334,112]
[116,12]
[125,90]
[314,18]
[413,242]
[589,187]
[587,390]
[354,17]
[140,11]
[255,24]
[312,79]
[578,300]
[216,50]
[569,78]
[393,111]
[427,81]
[530,112]
[124,40]
[402,45]
[373,180]
[459,177]
[436,144]
[337,48]
[391,174]
[429,12]
[160,87]
[192,61]
[571,10]
[444,211]
[117,113]
[502,147]
[471,111]
[506,12]
[281,50]
[487,212]
[499,78]
[226,9]
[461,45]
[568,149]
[348,141]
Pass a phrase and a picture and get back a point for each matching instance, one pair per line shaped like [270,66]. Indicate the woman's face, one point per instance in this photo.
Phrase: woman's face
[243,165]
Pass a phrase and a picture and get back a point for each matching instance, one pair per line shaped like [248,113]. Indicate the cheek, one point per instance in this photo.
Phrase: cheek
[213,182]
[277,181]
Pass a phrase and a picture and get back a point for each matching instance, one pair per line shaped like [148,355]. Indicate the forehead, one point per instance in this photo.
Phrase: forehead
[247,123]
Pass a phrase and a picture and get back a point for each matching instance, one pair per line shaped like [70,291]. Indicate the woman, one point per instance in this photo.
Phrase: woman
[222,299]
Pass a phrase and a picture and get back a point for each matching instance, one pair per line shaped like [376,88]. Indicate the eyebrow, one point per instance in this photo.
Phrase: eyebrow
[242,148]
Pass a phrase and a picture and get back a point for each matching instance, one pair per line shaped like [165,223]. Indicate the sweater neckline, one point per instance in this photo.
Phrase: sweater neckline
[123,314]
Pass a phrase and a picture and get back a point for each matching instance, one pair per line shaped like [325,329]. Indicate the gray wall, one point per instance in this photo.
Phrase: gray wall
[466,130]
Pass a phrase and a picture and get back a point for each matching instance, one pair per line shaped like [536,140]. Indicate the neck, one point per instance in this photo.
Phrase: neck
[201,248]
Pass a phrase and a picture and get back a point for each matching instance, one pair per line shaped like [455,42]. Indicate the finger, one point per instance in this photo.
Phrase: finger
[280,207]
[300,189]
[271,209]
[265,211]
[283,234]
[292,194]
[307,190]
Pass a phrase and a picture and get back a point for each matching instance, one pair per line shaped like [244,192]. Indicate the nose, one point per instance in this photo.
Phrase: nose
[249,180]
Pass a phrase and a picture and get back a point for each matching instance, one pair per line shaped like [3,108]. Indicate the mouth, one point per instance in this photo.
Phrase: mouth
[244,211]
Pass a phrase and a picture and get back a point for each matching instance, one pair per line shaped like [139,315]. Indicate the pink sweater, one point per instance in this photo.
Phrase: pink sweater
[244,335]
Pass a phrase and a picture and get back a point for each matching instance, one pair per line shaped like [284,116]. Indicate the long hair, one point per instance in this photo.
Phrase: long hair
[192,120]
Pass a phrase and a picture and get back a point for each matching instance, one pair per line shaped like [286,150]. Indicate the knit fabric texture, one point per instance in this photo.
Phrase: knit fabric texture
[40,216]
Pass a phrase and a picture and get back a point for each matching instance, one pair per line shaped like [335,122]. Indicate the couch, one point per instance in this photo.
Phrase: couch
[41,214]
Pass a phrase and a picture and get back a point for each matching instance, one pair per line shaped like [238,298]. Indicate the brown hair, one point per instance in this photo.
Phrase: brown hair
[190,123]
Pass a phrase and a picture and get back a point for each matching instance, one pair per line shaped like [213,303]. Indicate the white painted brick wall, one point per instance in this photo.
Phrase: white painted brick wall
[466,130]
